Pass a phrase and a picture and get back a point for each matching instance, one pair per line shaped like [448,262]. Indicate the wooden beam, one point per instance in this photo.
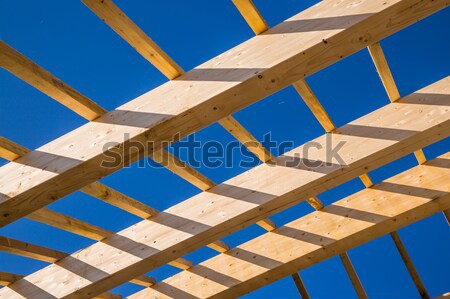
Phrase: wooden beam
[119,200]
[443,296]
[218,88]
[251,14]
[260,192]
[8,278]
[30,250]
[359,218]
[376,52]
[10,150]
[230,124]
[36,76]
[267,224]
[314,105]
[181,263]
[315,203]
[409,265]
[70,224]
[108,295]
[122,25]
[383,70]
[300,286]
[182,169]
[420,156]
[367,181]
[353,276]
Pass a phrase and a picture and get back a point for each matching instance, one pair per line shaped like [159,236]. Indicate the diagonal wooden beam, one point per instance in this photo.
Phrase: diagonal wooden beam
[353,275]
[359,218]
[30,72]
[30,250]
[300,286]
[314,105]
[257,194]
[251,15]
[217,88]
[381,64]
[130,32]
[409,265]
[8,278]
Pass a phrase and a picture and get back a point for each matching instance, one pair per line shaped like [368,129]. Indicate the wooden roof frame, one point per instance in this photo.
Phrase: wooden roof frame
[220,87]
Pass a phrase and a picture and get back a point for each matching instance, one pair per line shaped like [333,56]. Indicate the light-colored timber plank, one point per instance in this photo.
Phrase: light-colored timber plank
[366,180]
[70,224]
[181,263]
[143,280]
[118,199]
[315,203]
[202,96]
[121,24]
[251,15]
[219,246]
[182,169]
[267,224]
[359,218]
[33,74]
[420,156]
[300,286]
[409,265]
[258,193]
[359,289]
[30,250]
[314,105]
[376,52]
[10,150]
[8,278]
[246,138]
[101,192]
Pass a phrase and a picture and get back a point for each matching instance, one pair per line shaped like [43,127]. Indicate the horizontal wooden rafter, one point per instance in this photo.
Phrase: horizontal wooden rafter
[359,218]
[30,72]
[258,193]
[30,250]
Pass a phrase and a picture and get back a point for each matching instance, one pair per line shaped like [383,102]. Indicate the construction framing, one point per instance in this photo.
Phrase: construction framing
[272,60]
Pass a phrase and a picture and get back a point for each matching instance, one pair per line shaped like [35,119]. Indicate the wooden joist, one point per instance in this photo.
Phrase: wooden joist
[8,278]
[30,72]
[70,224]
[409,265]
[354,279]
[251,15]
[377,54]
[314,105]
[217,88]
[258,193]
[359,218]
[30,250]
[182,169]
[130,32]
[300,286]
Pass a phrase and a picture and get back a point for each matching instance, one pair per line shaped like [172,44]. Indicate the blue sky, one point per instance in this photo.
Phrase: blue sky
[68,40]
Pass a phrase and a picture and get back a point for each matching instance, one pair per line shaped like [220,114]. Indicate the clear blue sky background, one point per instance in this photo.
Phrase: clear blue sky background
[67,39]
